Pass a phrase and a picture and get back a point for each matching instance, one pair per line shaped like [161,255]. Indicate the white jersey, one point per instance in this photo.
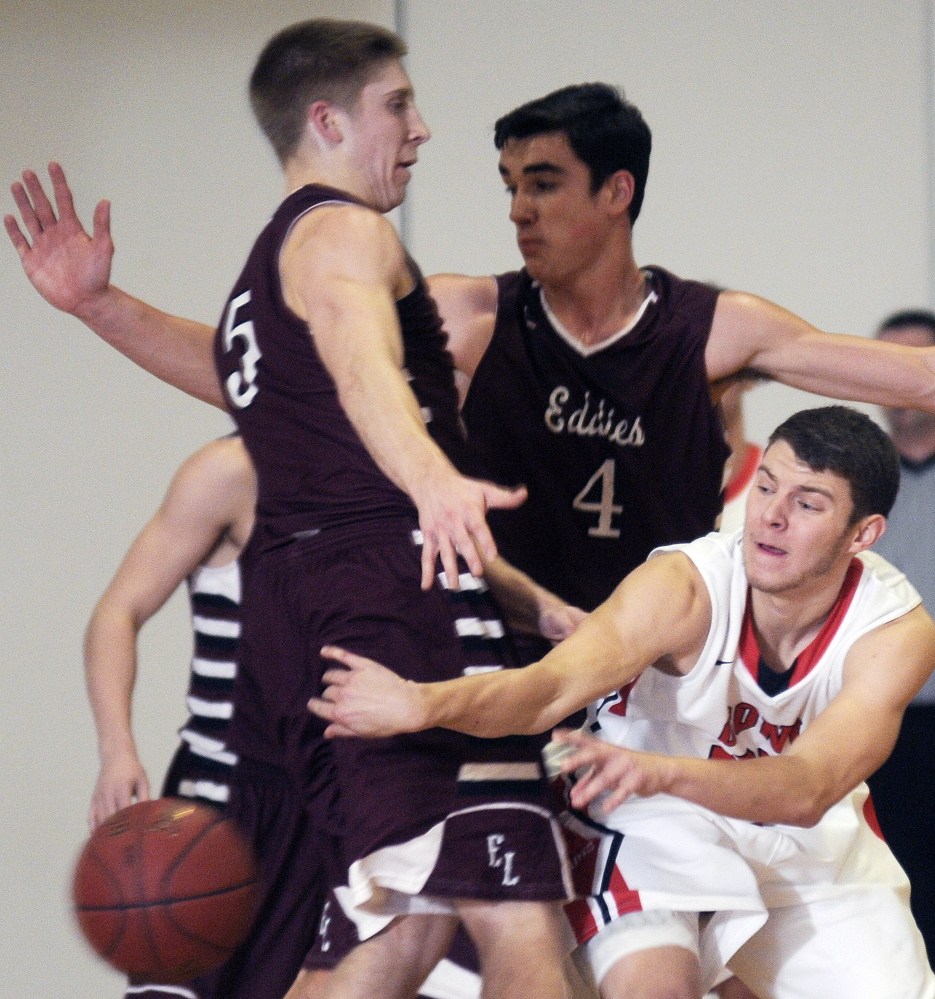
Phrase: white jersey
[664,852]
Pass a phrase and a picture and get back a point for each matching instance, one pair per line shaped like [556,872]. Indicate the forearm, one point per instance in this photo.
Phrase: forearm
[519,596]
[177,351]
[110,674]
[386,415]
[781,789]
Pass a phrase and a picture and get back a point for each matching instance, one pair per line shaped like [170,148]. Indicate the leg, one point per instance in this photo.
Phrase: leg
[520,947]
[657,973]
[392,964]
[733,988]
[645,955]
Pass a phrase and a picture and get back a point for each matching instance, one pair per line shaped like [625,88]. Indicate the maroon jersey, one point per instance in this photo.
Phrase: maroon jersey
[619,446]
[312,468]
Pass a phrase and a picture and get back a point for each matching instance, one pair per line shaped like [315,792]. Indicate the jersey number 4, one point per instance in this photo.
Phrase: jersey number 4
[601,484]
[241,385]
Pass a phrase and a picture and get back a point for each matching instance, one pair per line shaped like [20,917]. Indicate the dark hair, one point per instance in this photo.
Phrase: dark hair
[841,440]
[604,129]
[321,59]
[909,317]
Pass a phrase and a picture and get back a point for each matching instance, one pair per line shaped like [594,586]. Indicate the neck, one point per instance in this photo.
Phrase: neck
[596,303]
[785,623]
[303,170]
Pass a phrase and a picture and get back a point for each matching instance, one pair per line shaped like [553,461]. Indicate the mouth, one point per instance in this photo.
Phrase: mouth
[769,550]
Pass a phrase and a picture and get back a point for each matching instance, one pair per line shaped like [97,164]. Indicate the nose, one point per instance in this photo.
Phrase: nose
[418,130]
[774,510]
[521,209]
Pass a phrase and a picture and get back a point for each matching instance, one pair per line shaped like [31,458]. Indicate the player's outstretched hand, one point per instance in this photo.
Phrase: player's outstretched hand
[121,781]
[365,698]
[452,517]
[65,265]
[603,769]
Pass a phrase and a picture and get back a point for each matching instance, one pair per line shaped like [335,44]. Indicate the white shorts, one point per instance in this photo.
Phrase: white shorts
[863,944]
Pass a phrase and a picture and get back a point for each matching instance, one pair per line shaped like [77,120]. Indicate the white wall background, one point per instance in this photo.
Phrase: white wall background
[790,160]
[789,142]
[144,103]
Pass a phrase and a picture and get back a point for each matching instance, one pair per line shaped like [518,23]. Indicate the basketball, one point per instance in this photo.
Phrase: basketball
[166,890]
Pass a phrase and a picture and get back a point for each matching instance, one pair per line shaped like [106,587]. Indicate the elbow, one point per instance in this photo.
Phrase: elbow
[806,810]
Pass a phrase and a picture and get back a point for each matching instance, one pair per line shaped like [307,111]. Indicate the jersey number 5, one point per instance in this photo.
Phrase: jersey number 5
[602,482]
[241,385]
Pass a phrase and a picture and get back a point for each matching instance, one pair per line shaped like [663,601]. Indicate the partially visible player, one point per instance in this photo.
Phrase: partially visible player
[744,460]
[741,689]
[199,534]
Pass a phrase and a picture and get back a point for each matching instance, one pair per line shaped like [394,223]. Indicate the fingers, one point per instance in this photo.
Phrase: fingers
[429,554]
[324,709]
[18,240]
[63,199]
[101,220]
[449,556]
[26,210]
[41,204]
[501,498]
[349,659]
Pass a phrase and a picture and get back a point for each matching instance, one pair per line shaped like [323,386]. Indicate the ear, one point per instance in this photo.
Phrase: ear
[868,531]
[324,120]
[619,188]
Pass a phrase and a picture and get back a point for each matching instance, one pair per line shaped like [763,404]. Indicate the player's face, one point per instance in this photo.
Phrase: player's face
[797,527]
[384,133]
[561,227]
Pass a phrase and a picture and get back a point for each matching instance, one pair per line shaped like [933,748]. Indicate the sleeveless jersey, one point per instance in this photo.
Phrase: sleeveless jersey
[313,470]
[215,595]
[619,445]
[668,853]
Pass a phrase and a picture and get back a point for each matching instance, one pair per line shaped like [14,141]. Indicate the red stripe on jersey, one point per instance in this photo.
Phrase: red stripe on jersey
[807,659]
[749,647]
[741,479]
[870,814]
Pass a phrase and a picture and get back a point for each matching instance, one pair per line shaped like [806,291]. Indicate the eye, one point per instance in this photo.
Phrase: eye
[544,186]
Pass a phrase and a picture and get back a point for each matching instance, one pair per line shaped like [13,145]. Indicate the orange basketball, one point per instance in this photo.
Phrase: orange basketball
[166,890]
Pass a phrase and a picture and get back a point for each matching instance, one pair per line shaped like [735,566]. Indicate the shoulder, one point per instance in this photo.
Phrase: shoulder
[336,232]
[216,484]
[468,308]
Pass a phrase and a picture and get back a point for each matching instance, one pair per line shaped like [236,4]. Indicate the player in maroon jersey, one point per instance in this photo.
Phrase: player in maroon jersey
[333,363]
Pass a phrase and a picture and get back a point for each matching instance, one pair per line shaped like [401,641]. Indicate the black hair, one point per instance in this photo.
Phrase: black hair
[841,440]
[603,128]
[909,317]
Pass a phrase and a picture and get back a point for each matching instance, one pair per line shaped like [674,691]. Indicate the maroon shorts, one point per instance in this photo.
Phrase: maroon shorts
[485,801]
[294,859]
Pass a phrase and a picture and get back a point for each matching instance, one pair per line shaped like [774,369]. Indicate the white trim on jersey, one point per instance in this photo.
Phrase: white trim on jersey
[174,990]
[575,343]
[204,789]
[214,669]
[210,709]
[474,627]
[216,626]
[210,749]
[219,580]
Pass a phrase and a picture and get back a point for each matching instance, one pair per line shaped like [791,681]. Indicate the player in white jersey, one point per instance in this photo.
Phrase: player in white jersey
[790,647]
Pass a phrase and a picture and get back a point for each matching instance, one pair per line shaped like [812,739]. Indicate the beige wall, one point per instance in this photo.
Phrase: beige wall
[789,159]
[143,103]
[789,142]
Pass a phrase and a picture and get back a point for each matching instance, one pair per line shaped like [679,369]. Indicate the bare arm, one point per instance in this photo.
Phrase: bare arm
[661,611]
[71,270]
[343,268]
[208,509]
[846,743]
[750,333]
[529,607]
[468,307]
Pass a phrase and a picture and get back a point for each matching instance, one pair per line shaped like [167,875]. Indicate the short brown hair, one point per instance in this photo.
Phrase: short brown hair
[321,59]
